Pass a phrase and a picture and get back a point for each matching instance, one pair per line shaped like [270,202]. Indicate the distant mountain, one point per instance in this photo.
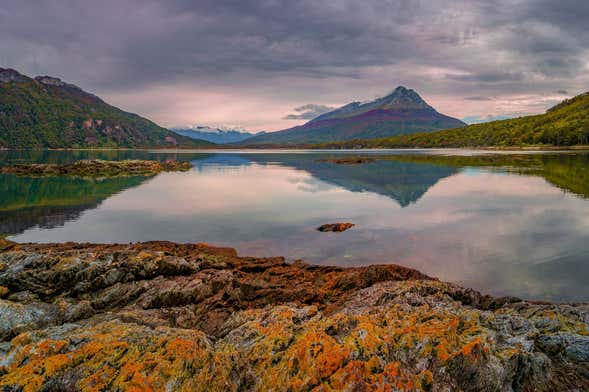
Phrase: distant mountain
[566,124]
[401,112]
[46,112]
[215,135]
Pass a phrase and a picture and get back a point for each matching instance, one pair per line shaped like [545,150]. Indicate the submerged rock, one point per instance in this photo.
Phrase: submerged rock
[163,316]
[335,227]
[96,168]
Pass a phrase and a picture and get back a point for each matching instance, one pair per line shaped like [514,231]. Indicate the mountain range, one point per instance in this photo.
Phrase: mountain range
[215,135]
[401,112]
[45,112]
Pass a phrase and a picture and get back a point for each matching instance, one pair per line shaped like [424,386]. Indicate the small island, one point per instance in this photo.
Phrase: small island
[348,160]
[96,168]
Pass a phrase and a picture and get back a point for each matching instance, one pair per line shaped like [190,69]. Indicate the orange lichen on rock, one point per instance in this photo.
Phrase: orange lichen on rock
[4,291]
[167,317]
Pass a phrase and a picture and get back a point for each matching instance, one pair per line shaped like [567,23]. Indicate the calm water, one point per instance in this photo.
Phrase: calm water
[503,224]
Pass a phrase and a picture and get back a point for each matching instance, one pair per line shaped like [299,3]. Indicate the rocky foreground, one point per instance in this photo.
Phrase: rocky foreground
[96,168]
[167,317]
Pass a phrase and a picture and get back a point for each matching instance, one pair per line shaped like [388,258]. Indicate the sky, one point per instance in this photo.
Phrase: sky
[272,64]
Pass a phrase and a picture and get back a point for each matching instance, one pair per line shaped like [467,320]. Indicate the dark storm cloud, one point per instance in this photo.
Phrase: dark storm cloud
[128,41]
[452,47]
[308,112]
[138,41]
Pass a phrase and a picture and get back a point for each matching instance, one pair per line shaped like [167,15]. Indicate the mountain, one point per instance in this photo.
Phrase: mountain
[215,135]
[566,124]
[45,112]
[401,112]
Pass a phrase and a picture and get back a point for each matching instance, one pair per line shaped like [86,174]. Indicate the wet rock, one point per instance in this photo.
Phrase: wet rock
[335,227]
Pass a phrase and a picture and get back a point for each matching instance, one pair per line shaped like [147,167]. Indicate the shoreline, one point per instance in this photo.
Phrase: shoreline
[309,148]
[156,314]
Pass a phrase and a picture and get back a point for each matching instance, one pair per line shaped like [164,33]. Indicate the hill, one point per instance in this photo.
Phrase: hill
[45,112]
[215,135]
[401,112]
[566,124]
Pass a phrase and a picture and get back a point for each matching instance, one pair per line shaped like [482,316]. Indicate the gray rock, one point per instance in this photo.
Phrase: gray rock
[16,317]
[10,75]
[572,346]
[577,349]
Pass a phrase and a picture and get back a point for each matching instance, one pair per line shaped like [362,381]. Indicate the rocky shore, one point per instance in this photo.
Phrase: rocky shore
[96,168]
[161,316]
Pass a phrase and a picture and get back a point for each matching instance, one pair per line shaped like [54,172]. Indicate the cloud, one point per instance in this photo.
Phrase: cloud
[562,92]
[309,112]
[478,98]
[292,52]
[488,77]
[478,119]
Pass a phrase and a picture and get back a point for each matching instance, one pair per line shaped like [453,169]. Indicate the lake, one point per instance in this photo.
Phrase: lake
[501,223]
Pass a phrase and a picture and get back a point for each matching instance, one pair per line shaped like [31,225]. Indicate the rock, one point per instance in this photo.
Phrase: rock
[573,347]
[163,316]
[96,168]
[577,349]
[8,75]
[16,317]
[335,227]
[348,160]
[51,81]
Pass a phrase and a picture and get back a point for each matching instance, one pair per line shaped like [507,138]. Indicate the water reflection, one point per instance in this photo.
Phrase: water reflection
[501,224]
[50,202]
[403,182]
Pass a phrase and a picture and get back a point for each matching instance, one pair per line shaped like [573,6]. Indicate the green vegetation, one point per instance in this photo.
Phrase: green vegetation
[39,114]
[96,168]
[566,124]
